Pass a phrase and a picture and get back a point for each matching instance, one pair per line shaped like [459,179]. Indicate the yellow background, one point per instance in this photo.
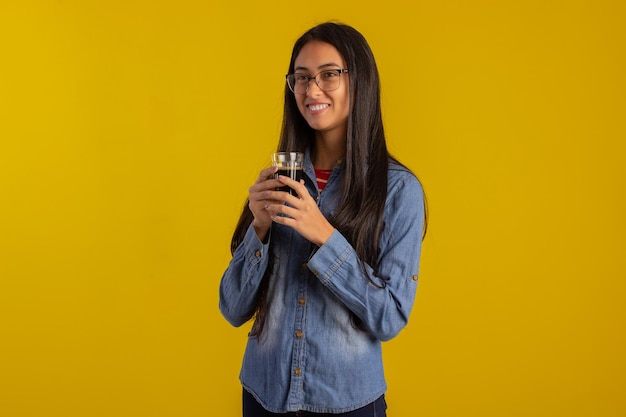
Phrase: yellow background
[131,130]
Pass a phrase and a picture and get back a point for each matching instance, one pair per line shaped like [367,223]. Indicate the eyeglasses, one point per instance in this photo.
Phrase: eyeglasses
[327,80]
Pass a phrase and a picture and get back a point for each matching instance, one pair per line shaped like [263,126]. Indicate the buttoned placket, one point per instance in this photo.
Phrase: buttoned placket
[298,362]
[298,365]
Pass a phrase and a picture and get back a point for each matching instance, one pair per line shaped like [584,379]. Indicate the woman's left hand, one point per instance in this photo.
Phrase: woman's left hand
[301,213]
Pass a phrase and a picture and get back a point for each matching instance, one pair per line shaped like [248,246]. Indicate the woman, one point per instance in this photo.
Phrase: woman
[332,272]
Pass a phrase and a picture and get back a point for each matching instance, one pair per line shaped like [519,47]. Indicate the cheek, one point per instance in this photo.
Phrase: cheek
[300,104]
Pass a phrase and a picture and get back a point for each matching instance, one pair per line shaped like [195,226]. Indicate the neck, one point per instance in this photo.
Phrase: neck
[327,150]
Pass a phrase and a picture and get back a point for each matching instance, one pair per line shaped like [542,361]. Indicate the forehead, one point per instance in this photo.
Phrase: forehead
[318,55]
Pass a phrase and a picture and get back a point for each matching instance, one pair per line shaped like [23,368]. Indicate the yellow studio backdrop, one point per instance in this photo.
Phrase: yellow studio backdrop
[131,130]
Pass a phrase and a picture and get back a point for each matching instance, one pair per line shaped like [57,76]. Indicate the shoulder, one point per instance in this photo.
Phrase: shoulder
[405,206]
[402,180]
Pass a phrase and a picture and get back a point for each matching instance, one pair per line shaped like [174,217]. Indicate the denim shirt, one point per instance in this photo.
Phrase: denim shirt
[310,356]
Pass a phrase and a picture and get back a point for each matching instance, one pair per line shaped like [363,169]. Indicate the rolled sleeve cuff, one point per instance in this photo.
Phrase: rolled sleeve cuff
[255,251]
[330,257]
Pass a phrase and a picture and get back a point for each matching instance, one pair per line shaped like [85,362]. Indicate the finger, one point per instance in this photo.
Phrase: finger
[283,214]
[284,220]
[282,199]
[267,172]
[284,210]
[295,185]
[258,196]
[265,185]
[280,196]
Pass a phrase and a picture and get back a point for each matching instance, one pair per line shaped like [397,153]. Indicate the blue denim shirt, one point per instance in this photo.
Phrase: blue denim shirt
[310,356]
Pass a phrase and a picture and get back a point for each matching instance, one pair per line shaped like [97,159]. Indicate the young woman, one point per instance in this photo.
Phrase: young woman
[331,273]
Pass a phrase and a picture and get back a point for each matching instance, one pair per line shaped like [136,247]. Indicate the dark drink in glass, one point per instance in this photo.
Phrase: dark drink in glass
[290,165]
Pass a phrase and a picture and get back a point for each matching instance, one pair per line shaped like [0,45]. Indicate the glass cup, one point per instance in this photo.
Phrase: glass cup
[290,165]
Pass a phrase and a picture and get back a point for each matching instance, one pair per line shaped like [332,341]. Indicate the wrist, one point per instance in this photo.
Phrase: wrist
[261,231]
[328,232]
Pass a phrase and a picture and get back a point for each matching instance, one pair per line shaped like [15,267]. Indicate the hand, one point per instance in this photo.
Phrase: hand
[301,213]
[258,201]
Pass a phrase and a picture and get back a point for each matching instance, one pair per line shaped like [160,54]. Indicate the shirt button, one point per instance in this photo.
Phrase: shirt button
[339,161]
[415,277]
[304,266]
[301,300]
[298,371]
[299,334]
[257,254]
[316,273]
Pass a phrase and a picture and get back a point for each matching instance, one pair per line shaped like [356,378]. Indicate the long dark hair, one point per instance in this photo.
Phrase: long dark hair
[359,215]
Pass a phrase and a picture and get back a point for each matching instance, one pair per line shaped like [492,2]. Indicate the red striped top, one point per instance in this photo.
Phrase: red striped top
[321,176]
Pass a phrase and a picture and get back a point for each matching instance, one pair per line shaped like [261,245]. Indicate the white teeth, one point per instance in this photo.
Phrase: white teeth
[318,107]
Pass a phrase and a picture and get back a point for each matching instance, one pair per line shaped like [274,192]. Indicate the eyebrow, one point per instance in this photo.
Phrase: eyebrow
[330,64]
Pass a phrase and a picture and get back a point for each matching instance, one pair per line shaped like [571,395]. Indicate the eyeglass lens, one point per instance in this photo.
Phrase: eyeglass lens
[325,80]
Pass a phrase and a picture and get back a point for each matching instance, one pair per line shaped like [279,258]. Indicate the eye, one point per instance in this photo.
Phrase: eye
[329,74]
[300,78]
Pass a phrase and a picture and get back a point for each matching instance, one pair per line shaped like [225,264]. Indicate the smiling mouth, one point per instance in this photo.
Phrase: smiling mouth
[318,107]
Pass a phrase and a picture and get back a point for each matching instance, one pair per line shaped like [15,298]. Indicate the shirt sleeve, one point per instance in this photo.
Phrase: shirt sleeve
[241,280]
[383,308]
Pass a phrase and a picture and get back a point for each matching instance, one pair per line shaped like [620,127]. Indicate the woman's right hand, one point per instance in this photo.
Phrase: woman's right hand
[258,201]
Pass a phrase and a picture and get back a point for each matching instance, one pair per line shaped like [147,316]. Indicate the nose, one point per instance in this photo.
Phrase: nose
[313,85]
